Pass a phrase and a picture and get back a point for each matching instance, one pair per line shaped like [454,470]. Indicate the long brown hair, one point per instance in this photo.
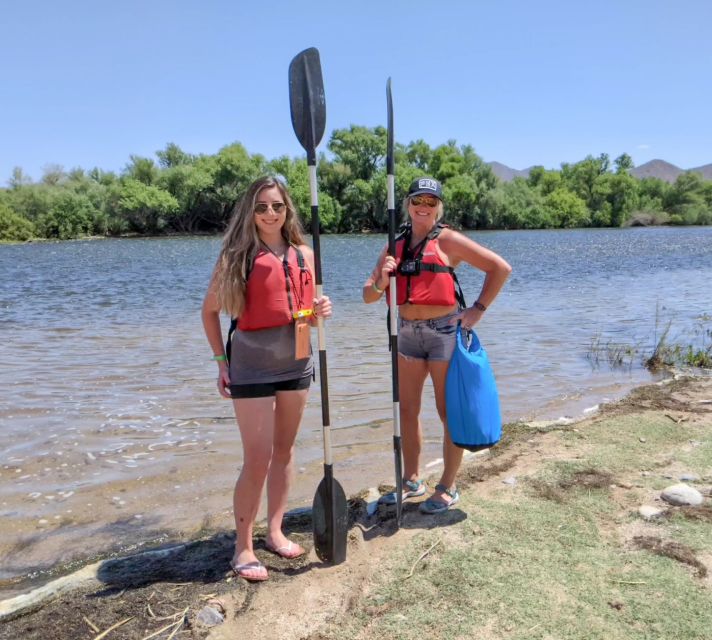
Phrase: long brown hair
[241,243]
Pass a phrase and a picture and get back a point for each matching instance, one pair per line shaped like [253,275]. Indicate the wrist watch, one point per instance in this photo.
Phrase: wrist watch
[479,306]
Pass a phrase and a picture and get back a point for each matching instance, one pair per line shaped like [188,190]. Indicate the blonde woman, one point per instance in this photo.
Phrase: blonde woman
[428,310]
[264,278]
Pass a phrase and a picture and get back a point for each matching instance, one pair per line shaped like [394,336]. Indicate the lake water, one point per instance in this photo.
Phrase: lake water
[112,431]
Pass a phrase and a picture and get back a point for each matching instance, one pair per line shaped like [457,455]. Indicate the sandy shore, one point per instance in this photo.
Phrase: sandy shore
[188,577]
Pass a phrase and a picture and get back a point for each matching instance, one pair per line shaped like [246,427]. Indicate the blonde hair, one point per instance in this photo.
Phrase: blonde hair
[241,243]
[406,202]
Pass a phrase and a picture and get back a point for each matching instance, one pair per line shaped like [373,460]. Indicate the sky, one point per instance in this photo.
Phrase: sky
[88,84]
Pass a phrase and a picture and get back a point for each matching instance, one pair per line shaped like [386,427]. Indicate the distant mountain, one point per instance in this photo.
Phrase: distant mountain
[657,169]
[653,169]
[666,171]
[505,173]
[705,170]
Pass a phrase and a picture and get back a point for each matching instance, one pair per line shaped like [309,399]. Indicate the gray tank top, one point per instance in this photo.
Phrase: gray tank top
[266,355]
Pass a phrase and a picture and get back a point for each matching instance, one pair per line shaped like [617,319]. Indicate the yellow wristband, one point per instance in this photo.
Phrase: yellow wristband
[376,289]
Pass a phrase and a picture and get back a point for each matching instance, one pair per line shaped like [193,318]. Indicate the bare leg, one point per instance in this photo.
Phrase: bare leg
[255,418]
[411,377]
[451,454]
[288,415]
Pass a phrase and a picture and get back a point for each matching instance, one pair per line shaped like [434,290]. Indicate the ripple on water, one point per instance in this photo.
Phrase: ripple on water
[143,409]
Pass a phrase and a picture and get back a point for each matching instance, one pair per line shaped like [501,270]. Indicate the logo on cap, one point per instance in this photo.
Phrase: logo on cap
[427,183]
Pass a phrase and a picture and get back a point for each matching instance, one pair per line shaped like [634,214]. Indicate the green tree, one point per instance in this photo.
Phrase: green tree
[622,196]
[584,179]
[104,178]
[141,169]
[462,195]
[173,156]
[623,163]
[30,201]
[14,227]
[419,154]
[70,215]
[686,199]
[53,174]
[19,178]
[566,209]
[190,185]
[365,205]
[361,149]
[543,180]
[145,207]
[233,169]
[447,161]
[515,205]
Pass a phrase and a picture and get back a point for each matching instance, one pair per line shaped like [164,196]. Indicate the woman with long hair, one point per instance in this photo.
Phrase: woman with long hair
[264,279]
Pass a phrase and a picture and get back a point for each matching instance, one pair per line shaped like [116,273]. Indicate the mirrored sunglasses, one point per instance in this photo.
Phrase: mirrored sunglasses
[428,201]
[278,207]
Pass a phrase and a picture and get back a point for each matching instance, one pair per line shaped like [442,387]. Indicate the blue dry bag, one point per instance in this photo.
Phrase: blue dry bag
[472,404]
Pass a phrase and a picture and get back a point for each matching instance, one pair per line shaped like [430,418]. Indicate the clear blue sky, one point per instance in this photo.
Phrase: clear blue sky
[89,83]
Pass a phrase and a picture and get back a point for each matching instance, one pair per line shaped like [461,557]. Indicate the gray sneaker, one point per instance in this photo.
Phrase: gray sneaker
[411,489]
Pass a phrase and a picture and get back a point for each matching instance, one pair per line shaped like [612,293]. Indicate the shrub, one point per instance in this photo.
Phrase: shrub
[13,227]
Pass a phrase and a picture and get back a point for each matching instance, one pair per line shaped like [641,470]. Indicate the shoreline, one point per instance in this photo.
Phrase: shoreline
[78,514]
[34,596]
[362,232]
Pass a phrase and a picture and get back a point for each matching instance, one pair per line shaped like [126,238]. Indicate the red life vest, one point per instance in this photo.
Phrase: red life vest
[422,276]
[276,292]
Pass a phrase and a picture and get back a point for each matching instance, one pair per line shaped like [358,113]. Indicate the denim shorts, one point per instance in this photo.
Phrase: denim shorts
[427,339]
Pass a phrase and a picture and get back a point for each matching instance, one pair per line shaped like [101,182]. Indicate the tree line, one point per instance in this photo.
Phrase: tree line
[182,192]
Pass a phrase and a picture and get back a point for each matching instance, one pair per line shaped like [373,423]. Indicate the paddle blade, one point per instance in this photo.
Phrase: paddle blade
[399,478]
[389,149]
[391,167]
[330,519]
[306,101]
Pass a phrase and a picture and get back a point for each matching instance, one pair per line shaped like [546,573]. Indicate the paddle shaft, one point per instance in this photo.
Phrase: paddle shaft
[321,334]
[394,307]
[397,445]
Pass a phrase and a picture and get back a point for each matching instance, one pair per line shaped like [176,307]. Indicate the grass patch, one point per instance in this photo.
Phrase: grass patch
[517,570]
[551,558]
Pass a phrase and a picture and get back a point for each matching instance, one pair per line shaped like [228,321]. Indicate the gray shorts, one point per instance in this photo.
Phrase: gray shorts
[427,339]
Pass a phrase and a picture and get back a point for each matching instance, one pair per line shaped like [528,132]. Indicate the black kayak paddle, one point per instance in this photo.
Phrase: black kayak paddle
[308,108]
[397,448]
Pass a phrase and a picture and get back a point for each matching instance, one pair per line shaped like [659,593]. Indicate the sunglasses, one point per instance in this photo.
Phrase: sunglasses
[278,207]
[428,201]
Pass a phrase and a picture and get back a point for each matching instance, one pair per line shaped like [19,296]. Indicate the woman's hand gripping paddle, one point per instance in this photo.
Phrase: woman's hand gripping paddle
[308,108]
[397,448]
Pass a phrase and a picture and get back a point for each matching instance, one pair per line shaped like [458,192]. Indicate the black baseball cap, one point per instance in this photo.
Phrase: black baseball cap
[426,186]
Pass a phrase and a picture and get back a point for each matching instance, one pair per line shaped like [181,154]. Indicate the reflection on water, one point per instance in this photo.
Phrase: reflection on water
[106,382]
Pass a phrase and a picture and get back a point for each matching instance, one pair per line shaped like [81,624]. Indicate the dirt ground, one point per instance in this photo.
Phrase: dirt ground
[160,596]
